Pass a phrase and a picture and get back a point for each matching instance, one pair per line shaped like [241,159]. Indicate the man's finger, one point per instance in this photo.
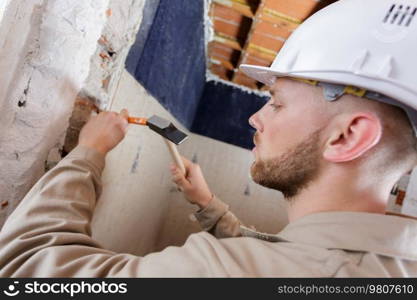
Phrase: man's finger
[181,181]
[177,178]
[187,163]
[124,113]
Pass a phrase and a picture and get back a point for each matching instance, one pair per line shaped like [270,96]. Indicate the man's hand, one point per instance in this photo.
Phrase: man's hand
[192,183]
[104,131]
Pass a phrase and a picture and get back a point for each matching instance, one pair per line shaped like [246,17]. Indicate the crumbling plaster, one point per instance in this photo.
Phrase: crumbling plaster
[107,65]
[51,50]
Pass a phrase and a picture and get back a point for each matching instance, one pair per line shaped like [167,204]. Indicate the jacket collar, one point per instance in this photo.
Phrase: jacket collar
[356,231]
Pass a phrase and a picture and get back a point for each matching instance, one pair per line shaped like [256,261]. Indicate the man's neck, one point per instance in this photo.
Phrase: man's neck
[339,191]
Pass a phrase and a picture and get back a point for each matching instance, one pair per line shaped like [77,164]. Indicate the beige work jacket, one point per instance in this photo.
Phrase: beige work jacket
[48,235]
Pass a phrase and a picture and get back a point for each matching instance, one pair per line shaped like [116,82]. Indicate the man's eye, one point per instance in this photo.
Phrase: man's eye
[275,106]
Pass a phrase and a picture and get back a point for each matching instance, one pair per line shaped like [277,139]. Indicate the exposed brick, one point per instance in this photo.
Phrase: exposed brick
[221,61]
[241,78]
[221,49]
[245,7]
[281,22]
[297,9]
[224,53]
[254,60]
[83,108]
[261,52]
[225,13]
[237,31]
[221,71]
[266,41]
[400,197]
[226,28]
[271,29]
[228,41]
[273,21]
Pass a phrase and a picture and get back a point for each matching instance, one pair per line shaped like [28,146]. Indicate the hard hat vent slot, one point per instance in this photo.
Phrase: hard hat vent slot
[400,15]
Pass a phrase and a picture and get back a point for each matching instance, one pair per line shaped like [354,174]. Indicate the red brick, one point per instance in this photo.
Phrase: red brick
[254,60]
[269,28]
[242,79]
[265,41]
[225,28]
[224,62]
[228,41]
[225,13]
[400,197]
[224,53]
[245,7]
[298,9]
[221,49]
[258,51]
[221,71]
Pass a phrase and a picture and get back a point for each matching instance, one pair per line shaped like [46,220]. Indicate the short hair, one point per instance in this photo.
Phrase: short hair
[398,141]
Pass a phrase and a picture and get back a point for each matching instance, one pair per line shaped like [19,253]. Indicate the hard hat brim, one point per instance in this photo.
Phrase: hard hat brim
[262,74]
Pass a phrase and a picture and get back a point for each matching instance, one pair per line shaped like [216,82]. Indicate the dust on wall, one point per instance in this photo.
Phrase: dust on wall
[117,37]
[107,65]
[45,58]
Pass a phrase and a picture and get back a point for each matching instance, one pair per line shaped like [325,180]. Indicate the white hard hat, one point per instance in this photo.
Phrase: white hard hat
[369,44]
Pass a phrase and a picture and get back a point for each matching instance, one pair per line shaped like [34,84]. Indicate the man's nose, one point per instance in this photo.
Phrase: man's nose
[255,122]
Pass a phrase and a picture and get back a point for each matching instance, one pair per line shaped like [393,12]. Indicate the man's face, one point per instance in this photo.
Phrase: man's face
[287,149]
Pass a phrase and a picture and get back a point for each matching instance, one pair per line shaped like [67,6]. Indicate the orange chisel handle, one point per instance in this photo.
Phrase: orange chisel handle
[139,121]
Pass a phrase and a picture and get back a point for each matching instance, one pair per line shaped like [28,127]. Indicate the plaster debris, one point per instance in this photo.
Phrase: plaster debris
[107,64]
[119,33]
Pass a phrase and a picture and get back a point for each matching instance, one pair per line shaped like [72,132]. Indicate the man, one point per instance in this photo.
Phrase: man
[333,150]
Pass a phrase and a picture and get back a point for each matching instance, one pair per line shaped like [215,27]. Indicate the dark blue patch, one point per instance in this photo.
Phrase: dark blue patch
[168,59]
[172,63]
[224,112]
[135,53]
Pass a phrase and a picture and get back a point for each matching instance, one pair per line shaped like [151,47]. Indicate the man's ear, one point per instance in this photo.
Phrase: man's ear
[351,136]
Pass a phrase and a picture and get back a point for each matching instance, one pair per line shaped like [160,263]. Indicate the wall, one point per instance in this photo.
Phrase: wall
[3,5]
[140,210]
[108,61]
[46,48]
[169,60]
[223,114]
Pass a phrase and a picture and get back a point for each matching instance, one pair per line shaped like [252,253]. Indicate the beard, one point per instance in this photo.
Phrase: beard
[292,171]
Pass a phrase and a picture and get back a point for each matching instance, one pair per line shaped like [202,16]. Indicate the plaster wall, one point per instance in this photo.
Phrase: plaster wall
[46,47]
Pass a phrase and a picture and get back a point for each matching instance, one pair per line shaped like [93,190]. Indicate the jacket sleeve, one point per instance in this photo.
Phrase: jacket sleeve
[218,220]
[49,234]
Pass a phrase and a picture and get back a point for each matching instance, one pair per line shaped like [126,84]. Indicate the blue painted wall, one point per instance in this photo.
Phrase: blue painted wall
[149,11]
[224,112]
[171,65]
[168,59]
